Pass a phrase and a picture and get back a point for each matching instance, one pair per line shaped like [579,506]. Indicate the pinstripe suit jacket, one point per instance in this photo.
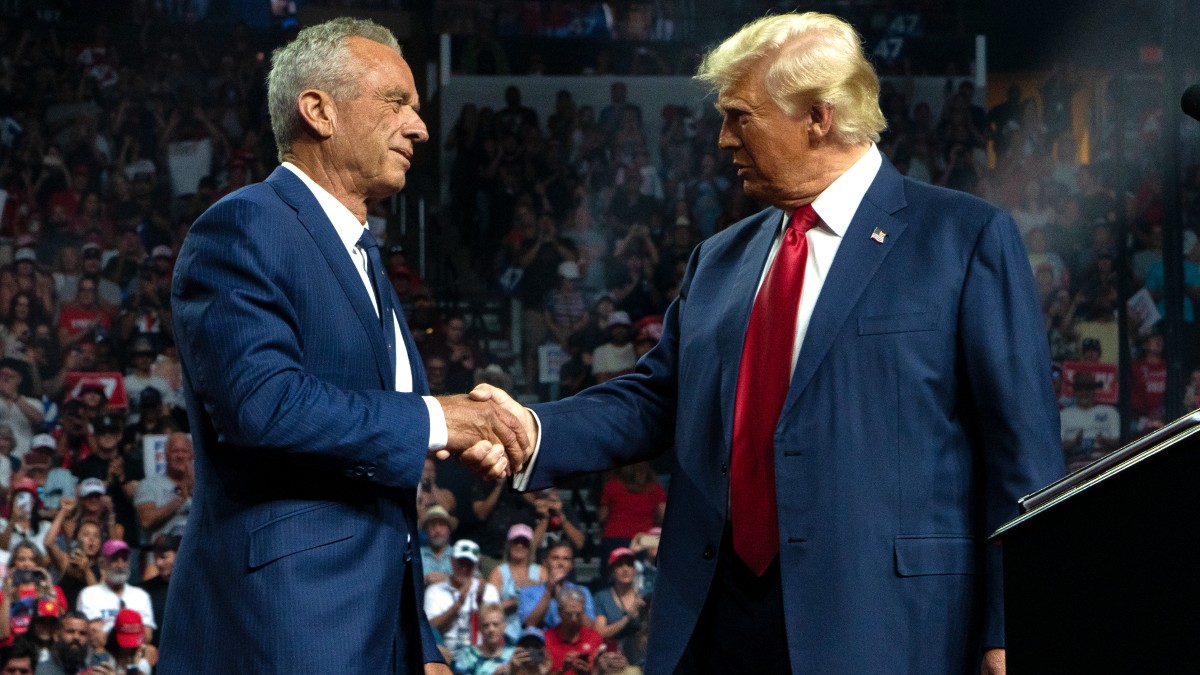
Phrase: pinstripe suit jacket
[298,555]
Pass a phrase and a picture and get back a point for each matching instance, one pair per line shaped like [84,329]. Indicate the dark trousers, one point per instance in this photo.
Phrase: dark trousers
[741,628]
[406,650]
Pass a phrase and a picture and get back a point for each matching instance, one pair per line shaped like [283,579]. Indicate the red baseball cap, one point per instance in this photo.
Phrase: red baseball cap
[648,329]
[620,552]
[129,629]
[24,483]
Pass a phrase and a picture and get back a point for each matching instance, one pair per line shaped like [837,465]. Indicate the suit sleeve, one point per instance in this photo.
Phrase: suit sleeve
[627,419]
[239,340]
[1009,389]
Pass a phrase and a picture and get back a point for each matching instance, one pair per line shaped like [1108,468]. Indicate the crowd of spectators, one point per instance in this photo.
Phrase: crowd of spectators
[112,142]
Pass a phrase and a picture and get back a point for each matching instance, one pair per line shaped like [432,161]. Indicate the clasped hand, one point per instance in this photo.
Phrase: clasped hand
[489,432]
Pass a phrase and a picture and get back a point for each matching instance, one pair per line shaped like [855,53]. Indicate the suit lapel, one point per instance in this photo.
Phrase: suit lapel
[310,214]
[736,311]
[858,258]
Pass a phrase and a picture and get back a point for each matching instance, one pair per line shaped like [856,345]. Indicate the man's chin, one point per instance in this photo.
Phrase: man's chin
[752,189]
[72,656]
[389,187]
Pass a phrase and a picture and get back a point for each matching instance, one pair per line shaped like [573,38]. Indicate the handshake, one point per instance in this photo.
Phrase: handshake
[489,432]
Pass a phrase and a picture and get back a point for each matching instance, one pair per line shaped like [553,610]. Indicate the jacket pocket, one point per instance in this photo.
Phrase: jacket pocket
[925,555]
[301,530]
[897,323]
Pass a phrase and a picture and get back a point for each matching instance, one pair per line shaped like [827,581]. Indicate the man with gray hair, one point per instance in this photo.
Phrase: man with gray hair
[572,644]
[305,391]
[854,381]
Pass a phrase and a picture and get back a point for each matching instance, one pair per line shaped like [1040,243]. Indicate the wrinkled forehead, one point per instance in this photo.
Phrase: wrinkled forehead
[746,85]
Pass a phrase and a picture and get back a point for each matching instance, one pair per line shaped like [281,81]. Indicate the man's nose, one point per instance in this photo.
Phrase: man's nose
[417,130]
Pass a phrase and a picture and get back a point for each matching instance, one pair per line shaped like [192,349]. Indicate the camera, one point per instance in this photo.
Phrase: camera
[26,577]
[537,656]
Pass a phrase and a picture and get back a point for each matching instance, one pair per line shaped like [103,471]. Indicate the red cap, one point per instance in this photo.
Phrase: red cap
[129,629]
[24,483]
[618,553]
[648,329]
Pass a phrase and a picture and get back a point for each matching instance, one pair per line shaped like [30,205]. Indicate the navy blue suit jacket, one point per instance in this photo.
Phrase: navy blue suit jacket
[919,411]
[302,527]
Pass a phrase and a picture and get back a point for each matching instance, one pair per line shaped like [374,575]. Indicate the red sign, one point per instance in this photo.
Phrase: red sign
[1105,374]
[113,384]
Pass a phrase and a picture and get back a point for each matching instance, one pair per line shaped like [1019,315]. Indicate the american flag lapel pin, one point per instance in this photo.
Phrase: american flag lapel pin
[878,236]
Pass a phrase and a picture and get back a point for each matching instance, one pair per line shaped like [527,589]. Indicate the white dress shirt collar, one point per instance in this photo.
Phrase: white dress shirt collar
[838,203]
[348,227]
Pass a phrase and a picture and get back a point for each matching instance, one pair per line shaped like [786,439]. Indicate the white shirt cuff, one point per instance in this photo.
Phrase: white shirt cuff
[439,435]
[520,480]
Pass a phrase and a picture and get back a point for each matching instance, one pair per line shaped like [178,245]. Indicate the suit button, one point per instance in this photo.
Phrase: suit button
[359,471]
[371,472]
[709,552]
[724,469]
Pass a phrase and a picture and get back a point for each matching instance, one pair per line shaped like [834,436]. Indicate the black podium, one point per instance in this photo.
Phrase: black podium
[1102,569]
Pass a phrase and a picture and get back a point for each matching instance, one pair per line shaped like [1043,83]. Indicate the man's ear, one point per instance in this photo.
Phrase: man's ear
[821,124]
[317,112]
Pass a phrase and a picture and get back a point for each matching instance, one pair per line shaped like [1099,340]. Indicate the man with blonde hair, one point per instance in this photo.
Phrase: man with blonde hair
[305,391]
[855,384]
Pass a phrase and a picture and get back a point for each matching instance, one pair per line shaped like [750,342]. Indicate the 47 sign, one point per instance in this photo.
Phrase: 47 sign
[900,28]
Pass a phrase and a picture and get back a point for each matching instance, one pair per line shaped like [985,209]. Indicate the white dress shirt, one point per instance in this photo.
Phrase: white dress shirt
[349,229]
[835,208]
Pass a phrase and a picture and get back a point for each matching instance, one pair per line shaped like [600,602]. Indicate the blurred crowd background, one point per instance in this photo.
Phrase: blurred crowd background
[537,246]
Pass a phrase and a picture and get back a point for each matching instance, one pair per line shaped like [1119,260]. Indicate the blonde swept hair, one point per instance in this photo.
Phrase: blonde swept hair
[815,58]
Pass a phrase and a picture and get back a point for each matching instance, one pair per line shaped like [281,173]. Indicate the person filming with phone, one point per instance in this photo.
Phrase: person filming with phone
[24,522]
[529,657]
[27,589]
[571,645]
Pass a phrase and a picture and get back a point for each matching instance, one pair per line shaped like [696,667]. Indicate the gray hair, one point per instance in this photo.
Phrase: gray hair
[319,58]
[567,594]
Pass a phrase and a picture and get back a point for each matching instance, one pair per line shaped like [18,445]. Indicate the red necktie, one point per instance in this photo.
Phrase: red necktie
[762,386]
